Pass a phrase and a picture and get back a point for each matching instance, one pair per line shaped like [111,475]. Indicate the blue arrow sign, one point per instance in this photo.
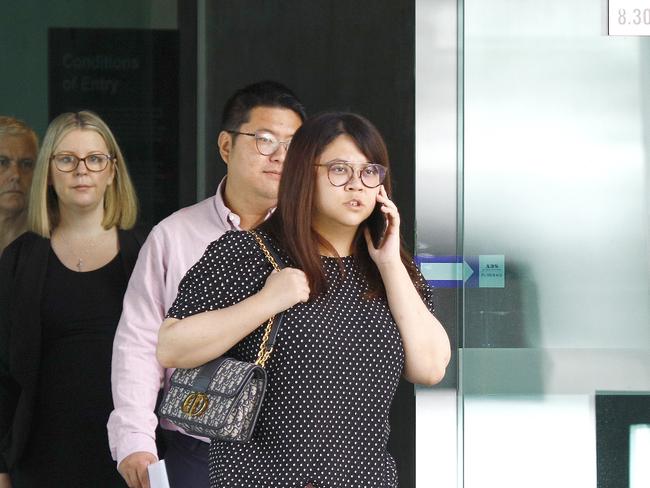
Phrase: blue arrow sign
[484,271]
[446,271]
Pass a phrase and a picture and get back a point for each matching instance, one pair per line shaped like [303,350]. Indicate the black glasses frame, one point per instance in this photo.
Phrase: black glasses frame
[25,164]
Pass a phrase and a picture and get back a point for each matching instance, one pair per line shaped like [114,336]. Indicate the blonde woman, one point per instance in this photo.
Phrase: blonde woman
[61,288]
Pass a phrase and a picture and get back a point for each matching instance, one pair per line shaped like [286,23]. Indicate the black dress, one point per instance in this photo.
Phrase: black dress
[331,378]
[68,446]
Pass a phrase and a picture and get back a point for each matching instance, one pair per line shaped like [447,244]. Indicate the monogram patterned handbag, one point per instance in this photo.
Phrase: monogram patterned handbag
[223,398]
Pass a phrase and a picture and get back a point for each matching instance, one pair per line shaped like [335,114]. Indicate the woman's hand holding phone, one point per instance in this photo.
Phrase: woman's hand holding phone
[387,250]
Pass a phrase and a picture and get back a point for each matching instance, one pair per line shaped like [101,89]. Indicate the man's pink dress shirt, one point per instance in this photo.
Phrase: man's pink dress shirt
[173,246]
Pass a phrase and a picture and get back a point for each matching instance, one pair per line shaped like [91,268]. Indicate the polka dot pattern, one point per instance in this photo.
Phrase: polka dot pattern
[331,378]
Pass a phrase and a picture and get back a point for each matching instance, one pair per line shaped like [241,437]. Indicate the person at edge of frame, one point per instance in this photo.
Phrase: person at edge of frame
[257,125]
[18,151]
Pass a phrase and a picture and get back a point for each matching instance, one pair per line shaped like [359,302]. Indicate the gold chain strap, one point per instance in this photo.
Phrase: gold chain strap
[263,354]
[265,250]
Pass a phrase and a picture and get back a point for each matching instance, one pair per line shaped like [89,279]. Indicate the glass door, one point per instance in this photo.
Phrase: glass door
[554,364]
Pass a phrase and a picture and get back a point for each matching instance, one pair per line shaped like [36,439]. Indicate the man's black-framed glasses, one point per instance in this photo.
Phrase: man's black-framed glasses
[26,164]
[266,143]
[340,172]
[68,162]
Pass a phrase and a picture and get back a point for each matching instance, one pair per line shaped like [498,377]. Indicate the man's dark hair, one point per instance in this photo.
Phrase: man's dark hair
[261,94]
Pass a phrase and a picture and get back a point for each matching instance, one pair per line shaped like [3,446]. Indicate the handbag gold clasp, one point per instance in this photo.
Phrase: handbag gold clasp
[195,404]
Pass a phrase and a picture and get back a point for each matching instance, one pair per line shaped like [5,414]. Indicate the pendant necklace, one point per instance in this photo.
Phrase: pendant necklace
[80,261]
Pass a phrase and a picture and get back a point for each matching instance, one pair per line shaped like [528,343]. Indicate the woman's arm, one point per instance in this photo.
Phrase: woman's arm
[426,344]
[199,338]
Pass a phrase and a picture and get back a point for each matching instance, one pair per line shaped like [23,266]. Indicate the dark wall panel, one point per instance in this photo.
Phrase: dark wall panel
[345,55]
[187,78]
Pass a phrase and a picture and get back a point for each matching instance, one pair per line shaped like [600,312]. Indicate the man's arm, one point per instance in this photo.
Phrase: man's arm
[136,375]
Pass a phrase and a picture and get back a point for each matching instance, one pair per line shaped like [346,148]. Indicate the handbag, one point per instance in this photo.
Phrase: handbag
[223,398]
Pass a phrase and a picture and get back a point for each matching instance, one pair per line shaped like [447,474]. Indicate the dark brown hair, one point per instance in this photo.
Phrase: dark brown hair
[291,223]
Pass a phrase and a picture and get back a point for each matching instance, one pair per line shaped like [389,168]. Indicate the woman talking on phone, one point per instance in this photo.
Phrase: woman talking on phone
[359,316]
[61,289]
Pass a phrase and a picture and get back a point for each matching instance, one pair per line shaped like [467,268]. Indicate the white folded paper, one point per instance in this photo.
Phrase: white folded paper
[158,475]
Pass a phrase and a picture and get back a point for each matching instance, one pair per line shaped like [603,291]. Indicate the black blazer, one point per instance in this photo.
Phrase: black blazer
[22,275]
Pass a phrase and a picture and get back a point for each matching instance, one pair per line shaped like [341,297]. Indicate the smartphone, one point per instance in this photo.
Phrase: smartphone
[376,225]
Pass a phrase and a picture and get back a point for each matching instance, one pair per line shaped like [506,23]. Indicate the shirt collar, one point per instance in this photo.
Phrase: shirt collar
[228,218]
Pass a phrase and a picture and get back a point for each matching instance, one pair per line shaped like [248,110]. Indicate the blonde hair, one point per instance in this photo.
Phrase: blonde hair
[11,126]
[120,200]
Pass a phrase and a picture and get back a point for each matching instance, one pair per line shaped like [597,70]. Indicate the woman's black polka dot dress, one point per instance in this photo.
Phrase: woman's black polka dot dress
[331,378]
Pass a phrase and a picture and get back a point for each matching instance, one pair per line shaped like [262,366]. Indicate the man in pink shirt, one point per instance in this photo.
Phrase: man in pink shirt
[258,123]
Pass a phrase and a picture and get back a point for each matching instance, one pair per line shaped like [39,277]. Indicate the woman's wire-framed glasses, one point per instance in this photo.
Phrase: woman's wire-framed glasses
[340,172]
